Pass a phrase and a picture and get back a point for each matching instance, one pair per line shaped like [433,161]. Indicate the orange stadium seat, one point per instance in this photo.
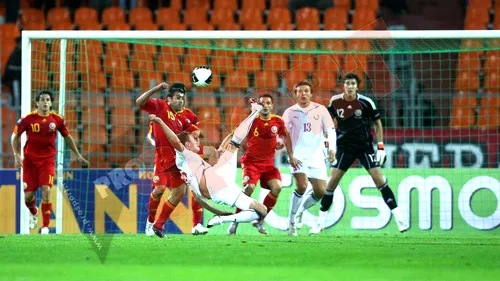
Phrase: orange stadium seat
[71,118]
[253,4]
[62,26]
[236,81]
[96,151]
[166,16]
[122,81]
[234,116]
[266,79]
[146,26]
[150,79]
[222,64]
[6,49]
[279,15]
[467,82]
[147,49]
[359,45]
[492,63]
[327,63]
[291,77]
[364,19]
[303,62]
[346,4]
[477,15]
[176,4]
[369,4]
[462,114]
[120,49]
[229,26]
[307,14]
[90,26]
[140,15]
[281,26]
[71,81]
[233,102]
[95,82]
[173,50]
[482,4]
[34,26]
[58,15]
[469,62]
[255,26]
[55,50]
[279,44]
[208,114]
[140,62]
[113,15]
[93,115]
[249,62]
[221,16]
[216,83]
[227,44]
[195,15]
[119,153]
[334,26]
[9,31]
[118,26]
[190,62]
[175,26]
[489,112]
[474,26]
[122,116]
[492,83]
[90,100]
[39,55]
[202,26]
[167,63]
[305,45]
[203,4]
[231,5]
[86,15]
[204,100]
[212,132]
[39,79]
[8,115]
[276,62]
[181,77]
[308,26]
[89,64]
[114,63]
[249,16]
[91,47]
[32,15]
[325,80]
[253,44]
[94,137]
[336,16]
[279,4]
[355,62]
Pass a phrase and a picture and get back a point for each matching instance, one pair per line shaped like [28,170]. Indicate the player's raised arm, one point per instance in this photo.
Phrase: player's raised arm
[171,136]
[141,100]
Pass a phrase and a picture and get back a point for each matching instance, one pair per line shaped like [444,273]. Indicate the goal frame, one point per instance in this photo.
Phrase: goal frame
[64,35]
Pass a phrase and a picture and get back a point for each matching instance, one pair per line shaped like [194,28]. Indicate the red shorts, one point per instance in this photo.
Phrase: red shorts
[170,177]
[37,173]
[253,172]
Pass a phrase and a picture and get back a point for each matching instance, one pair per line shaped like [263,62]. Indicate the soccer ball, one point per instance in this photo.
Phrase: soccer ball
[201,76]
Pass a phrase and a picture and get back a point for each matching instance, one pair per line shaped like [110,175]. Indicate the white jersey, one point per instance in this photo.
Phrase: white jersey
[191,166]
[306,127]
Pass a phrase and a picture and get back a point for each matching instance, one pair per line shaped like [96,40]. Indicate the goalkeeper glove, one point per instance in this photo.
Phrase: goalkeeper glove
[381,154]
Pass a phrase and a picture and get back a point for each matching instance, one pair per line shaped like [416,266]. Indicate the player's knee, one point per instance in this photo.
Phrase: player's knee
[28,196]
[45,192]
[259,208]
[249,188]
[275,190]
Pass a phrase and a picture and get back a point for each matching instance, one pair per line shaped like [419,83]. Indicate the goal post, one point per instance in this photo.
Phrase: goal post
[440,138]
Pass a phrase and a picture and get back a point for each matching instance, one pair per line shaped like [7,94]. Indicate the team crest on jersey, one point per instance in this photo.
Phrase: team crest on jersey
[274,129]
[246,179]
[358,112]
[156,179]
[25,185]
[52,126]
[316,117]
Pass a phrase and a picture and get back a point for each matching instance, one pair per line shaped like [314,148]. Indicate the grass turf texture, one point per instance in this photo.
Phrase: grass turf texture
[251,257]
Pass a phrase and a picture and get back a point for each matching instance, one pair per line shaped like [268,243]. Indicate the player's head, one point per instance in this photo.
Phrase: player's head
[351,83]
[44,100]
[189,142]
[195,132]
[303,92]
[176,96]
[267,102]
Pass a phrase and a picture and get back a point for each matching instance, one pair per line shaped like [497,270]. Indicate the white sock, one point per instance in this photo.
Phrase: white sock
[295,201]
[241,131]
[243,216]
[308,202]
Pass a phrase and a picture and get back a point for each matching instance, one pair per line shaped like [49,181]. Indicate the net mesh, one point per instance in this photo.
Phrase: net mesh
[438,99]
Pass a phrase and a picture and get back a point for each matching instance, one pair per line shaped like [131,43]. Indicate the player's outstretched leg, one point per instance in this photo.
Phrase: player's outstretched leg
[241,132]
[198,228]
[254,211]
[30,201]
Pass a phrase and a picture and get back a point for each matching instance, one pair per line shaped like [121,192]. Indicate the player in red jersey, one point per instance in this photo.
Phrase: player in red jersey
[41,127]
[166,173]
[258,160]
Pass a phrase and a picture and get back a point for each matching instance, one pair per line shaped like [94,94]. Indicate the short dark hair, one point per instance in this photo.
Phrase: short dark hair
[44,92]
[176,87]
[183,136]
[304,82]
[352,76]
[267,96]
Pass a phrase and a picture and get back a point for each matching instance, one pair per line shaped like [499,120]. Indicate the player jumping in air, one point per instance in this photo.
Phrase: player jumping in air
[307,122]
[41,127]
[355,115]
[166,173]
[258,161]
[214,182]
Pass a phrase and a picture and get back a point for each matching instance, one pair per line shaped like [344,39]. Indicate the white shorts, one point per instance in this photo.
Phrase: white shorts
[317,172]
[233,196]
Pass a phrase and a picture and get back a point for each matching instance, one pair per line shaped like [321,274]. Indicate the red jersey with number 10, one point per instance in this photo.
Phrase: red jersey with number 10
[41,132]
[261,140]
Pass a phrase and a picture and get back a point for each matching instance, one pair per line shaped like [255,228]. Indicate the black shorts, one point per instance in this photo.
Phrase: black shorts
[366,157]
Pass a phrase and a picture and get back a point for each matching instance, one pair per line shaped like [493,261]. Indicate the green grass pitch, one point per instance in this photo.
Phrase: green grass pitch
[359,256]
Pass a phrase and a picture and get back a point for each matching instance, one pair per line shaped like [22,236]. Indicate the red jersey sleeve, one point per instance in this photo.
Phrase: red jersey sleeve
[21,126]
[152,106]
[191,116]
[282,131]
[61,127]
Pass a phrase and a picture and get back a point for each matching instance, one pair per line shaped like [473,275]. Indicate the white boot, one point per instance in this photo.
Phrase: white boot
[149,228]
[320,224]
[44,230]
[402,225]
[199,230]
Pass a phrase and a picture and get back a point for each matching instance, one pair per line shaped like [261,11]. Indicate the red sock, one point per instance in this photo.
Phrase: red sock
[152,207]
[237,211]
[270,201]
[32,206]
[166,210]
[197,211]
[46,211]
